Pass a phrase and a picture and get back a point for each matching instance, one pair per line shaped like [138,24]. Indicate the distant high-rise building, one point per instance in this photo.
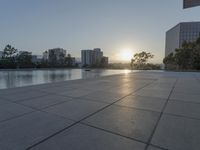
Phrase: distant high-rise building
[56,55]
[87,57]
[185,31]
[98,54]
[91,57]
[190,3]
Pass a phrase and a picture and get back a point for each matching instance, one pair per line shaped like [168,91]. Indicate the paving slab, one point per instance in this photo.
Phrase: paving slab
[12,110]
[4,102]
[153,93]
[22,132]
[106,123]
[187,90]
[57,89]
[182,108]
[107,97]
[76,109]
[120,90]
[82,137]
[153,148]
[13,90]
[74,93]
[142,102]
[45,101]
[21,96]
[128,122]
[177,133]
[185,97]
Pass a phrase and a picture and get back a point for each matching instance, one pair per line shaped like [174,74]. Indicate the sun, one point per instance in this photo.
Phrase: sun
[125,55]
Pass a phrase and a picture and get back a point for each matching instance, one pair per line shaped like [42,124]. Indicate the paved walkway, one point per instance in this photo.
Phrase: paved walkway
[138,111]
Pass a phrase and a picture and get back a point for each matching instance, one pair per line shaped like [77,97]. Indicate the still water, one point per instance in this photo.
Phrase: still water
[19,78]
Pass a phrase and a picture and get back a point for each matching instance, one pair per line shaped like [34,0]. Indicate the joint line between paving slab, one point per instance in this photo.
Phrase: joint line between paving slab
[60,131]
[114,133]
[161,114]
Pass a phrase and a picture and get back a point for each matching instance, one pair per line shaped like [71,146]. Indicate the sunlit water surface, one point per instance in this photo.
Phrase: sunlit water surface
[19,78]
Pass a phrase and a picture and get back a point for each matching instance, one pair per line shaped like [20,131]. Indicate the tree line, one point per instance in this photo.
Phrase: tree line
[12,59]
[185,58]
[140,62]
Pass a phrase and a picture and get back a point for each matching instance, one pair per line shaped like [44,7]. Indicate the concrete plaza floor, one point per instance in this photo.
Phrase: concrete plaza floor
[135,111]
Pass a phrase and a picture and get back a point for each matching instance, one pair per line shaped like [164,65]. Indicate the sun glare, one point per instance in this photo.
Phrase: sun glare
[126,55]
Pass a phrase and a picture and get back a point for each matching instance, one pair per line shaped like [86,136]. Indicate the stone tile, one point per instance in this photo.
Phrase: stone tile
[75,93]
[177,133]
[159,89]
[107,97]
[120,90]
[22,132]
[82,137]
[57,89]
[23,95]
[4,102]
[186,90]
[45,101]
[12,110]
[153,93]
[183,109]
[186,97]
[75,110]
[13,90]
[95,87]
[153,148]
[128,122]
[141,102]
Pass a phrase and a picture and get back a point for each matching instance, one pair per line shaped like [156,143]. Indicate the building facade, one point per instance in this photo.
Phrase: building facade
[98,54]
[87,57]
[56,55]
[91,57]
[185,31]
[190,3]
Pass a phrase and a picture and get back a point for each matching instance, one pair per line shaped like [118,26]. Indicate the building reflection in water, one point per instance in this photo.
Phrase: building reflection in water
[18,78]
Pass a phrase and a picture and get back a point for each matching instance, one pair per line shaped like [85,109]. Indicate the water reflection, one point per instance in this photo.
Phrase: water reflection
[18,78]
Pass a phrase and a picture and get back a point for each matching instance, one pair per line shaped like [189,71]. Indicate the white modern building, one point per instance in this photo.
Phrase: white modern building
[87,57]
[91,57]
[185,31]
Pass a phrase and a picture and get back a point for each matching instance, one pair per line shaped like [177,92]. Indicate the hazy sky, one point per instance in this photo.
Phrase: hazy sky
[113,25]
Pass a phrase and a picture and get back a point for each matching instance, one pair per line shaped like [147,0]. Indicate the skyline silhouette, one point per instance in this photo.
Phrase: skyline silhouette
[112,25]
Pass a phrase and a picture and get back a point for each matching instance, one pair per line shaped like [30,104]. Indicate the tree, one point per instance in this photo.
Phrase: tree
[183,58]
[8,59]
[68,60]
[186,57]
[139,60]
[61,58]
[52,58]
[9,51]
[24,60]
